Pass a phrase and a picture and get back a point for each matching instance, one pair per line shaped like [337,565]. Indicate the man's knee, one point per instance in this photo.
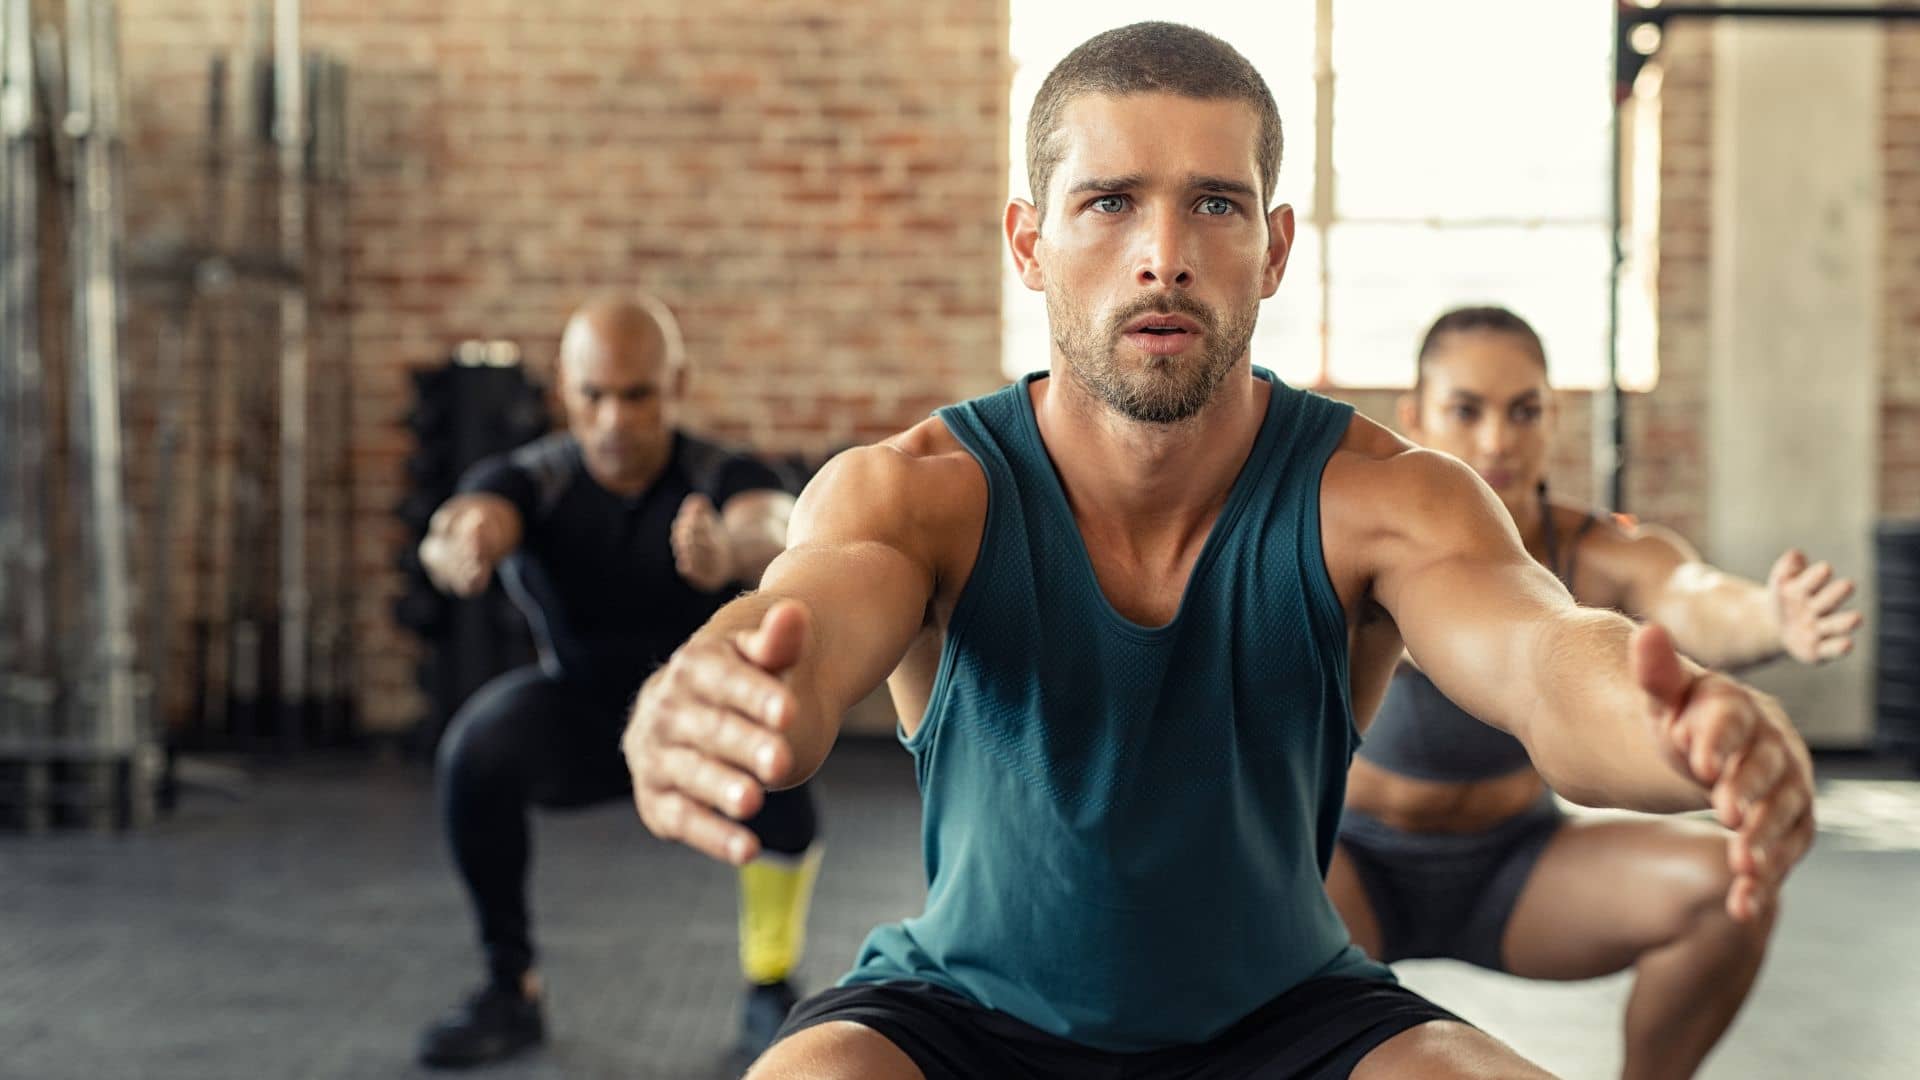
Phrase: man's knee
[841,1050]
[1446,1050]
[786,824]
[487,744]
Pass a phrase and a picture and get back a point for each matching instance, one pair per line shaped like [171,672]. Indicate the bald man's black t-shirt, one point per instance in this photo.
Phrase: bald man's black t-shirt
[595,571]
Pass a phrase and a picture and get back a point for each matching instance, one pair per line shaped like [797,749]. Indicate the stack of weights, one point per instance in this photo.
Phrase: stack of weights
[480,403]
[1897,634]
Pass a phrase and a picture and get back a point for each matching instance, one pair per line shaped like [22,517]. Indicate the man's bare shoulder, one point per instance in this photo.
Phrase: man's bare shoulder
[920,483]
[1377,479]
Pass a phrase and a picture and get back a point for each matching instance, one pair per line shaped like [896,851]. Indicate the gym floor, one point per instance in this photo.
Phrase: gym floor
[308,924]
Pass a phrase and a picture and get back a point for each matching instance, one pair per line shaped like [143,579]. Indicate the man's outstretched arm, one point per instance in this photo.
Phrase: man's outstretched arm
[1611,715]
[753,700]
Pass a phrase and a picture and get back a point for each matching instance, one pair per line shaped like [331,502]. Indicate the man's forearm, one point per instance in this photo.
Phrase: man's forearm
[1590,734]
[467,538]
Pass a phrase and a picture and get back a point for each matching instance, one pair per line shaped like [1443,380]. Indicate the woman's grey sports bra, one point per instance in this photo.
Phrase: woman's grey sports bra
[1418,733]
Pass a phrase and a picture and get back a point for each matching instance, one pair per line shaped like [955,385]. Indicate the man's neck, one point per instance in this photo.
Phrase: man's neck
[1149,477]
[636,481]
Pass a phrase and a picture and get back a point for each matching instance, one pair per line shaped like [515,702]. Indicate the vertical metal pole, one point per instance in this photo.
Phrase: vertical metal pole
[171,374]
[327,279]
[76,628]
[26,543]
[214,477]
[10,253]
[1609,428]
[1324,78]
[93,123]
[251,410]
[290,135]
[28,688]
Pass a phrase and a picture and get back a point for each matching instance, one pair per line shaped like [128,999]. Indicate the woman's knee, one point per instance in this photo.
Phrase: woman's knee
[1703,879]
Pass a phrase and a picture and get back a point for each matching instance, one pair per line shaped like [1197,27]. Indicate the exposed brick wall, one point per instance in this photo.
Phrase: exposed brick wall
[1900,404]
[813,186]
[1667,428]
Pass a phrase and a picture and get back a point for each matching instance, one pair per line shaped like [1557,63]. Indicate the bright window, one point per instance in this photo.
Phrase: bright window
[1462,170]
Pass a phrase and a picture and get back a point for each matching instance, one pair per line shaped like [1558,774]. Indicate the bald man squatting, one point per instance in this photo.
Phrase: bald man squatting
[617,538]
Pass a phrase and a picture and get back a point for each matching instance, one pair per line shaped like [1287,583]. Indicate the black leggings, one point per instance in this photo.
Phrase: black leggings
[527,738]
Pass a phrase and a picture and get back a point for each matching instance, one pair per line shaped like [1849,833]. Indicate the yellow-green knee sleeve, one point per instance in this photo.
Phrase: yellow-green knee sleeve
[774,893]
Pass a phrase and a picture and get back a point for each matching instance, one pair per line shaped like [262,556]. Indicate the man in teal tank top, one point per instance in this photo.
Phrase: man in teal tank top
[1126,610]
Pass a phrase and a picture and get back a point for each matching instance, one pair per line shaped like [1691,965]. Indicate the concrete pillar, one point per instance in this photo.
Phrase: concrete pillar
[1795,357]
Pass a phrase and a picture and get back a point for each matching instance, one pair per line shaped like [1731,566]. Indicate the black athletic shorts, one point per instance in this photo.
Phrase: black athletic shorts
[1319,1029]
[1448,895]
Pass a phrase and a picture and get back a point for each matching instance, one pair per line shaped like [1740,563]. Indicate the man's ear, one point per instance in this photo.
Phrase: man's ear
[1279,248]
[1023,236]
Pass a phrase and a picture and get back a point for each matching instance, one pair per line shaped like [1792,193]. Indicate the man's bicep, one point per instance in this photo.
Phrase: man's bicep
[1474,625]
[506,482]
[858,559]
[1469,602]
[868,602]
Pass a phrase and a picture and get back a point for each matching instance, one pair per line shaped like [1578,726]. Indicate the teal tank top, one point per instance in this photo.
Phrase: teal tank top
[1126,829]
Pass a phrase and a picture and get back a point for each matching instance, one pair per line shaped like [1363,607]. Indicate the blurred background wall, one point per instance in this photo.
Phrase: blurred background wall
[816,189]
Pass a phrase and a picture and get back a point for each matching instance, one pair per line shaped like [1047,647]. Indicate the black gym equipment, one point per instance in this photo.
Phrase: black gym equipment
[248,469]
[77,746]
[27,656]
[1897,639]
[479,403]
[270,664]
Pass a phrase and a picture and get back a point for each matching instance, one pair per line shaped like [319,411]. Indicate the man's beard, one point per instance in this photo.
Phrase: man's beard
[1168,389]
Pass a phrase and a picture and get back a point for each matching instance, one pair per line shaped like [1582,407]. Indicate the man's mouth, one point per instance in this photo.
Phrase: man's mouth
[1162,335]
[1162,325]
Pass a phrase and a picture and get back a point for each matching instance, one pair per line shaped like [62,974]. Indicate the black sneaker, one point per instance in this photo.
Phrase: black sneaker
[762,1012]
[492,1025]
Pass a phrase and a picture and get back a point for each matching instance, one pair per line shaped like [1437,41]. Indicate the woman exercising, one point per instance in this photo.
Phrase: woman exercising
[1452,846]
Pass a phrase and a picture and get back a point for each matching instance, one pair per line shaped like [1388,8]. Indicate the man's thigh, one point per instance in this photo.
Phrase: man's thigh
[575,757]
[838,1050]
[1445,1050]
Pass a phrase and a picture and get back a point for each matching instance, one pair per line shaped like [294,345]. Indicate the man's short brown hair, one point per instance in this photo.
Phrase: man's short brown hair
[1145,58]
